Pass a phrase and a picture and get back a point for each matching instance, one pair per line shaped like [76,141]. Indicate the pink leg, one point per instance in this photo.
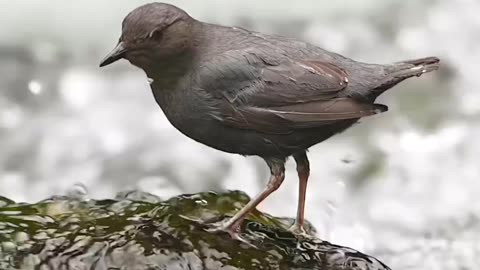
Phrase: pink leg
[303,169]
[277,169]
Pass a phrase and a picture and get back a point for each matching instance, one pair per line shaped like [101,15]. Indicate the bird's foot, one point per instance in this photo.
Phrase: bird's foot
[298,230]
[232,229]
[221,226]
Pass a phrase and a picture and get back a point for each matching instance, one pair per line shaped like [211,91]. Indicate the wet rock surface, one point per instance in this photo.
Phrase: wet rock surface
[138,231]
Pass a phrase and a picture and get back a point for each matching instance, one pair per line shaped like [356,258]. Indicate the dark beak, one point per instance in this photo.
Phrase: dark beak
[115,55]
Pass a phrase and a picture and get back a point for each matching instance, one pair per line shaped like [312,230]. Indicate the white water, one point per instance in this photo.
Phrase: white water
[402,186]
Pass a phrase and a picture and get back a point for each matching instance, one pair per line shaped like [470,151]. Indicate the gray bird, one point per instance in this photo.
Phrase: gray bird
[248,93]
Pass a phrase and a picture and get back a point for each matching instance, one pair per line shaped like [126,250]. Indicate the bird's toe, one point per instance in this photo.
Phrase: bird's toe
[298,230]
[232,231]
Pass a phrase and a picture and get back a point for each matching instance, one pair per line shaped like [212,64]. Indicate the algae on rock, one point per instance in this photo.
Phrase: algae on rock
[139,231]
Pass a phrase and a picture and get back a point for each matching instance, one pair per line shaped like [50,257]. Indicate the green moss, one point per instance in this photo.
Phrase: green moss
[139,231]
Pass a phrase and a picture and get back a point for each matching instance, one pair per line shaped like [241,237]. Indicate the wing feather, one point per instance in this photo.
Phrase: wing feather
[279,97]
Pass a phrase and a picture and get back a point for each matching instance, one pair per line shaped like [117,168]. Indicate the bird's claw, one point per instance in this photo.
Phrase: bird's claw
[221,227]
[233,231]
[298,230]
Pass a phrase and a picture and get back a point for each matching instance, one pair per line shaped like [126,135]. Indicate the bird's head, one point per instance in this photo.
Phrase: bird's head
[151,34]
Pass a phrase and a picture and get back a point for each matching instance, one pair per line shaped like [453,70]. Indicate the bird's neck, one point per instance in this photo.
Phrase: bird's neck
[167,71]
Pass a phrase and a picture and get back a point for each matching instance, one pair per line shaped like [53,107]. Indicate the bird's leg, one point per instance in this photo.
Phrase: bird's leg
[277,169]
[303,169]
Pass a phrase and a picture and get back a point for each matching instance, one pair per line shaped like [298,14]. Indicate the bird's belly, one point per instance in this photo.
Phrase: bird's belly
[249,142]
[215,134]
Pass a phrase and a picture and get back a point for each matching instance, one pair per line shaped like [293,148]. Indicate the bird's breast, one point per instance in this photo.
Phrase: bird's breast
[185,110]
[170,103]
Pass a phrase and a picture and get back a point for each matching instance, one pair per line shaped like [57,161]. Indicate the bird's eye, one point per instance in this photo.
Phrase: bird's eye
[156,35]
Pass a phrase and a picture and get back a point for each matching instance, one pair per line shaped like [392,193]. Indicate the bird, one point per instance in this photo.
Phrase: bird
[254,94]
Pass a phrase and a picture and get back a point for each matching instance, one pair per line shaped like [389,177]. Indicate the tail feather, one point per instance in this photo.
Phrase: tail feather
[400,71]
[417,67]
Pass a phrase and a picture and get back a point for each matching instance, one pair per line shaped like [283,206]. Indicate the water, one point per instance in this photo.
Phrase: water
[401,186]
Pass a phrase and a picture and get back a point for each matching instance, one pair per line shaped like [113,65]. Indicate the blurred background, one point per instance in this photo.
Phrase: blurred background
[402,186]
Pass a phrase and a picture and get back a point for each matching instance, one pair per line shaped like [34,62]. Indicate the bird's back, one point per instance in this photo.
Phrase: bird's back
[361,76]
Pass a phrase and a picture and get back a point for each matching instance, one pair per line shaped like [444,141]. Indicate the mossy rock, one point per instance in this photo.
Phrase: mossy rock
[139,231]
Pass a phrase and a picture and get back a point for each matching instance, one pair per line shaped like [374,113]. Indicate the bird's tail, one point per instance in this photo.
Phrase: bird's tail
[400,71]
[417,67]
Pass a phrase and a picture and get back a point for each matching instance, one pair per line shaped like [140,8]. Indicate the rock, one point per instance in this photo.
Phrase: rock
[139,231]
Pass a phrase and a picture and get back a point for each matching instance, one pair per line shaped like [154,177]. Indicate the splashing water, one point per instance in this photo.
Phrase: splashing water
[35,87]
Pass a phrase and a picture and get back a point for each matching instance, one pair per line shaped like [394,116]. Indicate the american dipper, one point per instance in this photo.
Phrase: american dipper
[248,93]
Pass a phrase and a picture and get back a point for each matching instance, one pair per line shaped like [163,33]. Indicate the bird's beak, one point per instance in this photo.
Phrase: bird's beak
[115,55]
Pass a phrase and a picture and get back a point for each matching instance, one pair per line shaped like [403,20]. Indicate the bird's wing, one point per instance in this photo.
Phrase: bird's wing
[270,96]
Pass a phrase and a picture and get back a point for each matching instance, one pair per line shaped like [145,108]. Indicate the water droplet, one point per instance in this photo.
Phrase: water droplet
[201,202]
[149,80]
[35,87]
